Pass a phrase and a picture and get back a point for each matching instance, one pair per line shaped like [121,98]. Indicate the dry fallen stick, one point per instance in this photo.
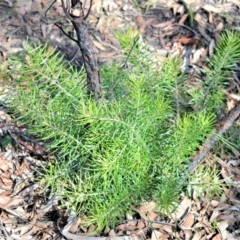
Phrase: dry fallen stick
[225,123]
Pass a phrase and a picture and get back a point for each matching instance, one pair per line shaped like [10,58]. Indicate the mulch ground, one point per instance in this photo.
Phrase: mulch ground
[191,30]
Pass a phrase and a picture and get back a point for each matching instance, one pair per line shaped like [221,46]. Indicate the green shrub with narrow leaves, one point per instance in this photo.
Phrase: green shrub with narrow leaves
[134,143]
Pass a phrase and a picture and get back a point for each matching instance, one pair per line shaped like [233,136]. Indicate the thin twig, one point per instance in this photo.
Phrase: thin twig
[48,7]
[88,10]
[65,33]
[182,25]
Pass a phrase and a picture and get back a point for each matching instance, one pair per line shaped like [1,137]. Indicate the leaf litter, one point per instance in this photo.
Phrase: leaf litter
[190,30]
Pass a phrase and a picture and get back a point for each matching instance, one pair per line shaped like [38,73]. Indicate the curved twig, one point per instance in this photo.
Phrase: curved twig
[85,17]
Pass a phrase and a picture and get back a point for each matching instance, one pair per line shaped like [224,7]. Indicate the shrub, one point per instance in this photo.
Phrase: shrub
[134,143]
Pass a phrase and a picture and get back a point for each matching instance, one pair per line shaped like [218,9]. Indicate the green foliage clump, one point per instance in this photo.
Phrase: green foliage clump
[131,145]
[227,54]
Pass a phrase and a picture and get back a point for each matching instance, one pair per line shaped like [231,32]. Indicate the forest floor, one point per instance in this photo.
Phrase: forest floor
[189,29]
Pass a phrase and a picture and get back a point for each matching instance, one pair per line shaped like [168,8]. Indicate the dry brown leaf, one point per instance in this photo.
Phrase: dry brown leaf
[141,225]
[185,40]
[75,226]
[108,45]
[183,207]
[188,234]
[32,231]
[214,203]
[152,215]
[210,17]
[144,23]
[3,165]
[222,226]
[206,224]
[114,41]
[112,233]
[99,45]
[177,8]
[122,226]
[44,30]
[189,221]
[164,24]
[198,235]
[114,22]
[199,18]
[231,102]
[5,192]
[181,234]
[6,181]
[217,237]
[183,18]
[4,200]
[157,235]
[143,215]
[15,201]
[217,8]
[219,27]
[162,227]
[47,235]
[8,219]
[197,204]
[100,26]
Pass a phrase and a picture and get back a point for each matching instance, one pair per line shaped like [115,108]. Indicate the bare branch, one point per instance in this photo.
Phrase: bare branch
[225,123]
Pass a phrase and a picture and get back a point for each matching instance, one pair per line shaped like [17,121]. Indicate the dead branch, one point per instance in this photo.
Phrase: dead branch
[225,123]
[18,133]
[73,10]
[76,16]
